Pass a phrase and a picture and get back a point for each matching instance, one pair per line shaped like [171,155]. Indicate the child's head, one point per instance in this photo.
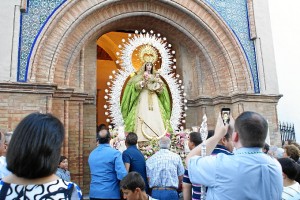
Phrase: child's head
[63,162]
[289,167]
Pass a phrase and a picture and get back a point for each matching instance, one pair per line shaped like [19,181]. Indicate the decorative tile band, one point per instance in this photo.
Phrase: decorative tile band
[32,23]
[235,14]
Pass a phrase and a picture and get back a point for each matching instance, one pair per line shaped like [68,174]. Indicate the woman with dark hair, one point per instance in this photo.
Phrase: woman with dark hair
[32,157]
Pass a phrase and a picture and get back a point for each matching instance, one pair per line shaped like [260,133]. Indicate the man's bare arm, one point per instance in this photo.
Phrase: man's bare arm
[211,143]
[127,166]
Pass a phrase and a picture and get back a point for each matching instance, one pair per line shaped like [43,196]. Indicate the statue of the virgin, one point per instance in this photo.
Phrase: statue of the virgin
[146,104]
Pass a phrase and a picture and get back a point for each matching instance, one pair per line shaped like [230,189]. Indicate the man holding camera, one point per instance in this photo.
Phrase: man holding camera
[249,173]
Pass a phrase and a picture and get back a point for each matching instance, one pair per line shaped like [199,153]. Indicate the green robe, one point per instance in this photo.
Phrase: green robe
[130,101]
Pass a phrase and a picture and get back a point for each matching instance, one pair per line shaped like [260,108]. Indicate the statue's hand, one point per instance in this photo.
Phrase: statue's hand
[146,75]
[159,90]
[142,84]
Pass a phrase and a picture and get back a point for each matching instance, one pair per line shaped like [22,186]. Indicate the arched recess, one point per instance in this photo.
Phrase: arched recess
[209,47]
[109,46]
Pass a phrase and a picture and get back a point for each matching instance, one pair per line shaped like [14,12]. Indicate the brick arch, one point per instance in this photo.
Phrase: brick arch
[188,23]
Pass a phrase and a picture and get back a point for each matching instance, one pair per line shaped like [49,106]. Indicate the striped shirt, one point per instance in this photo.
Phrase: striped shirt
[290,191]
[221,149]
[196,188]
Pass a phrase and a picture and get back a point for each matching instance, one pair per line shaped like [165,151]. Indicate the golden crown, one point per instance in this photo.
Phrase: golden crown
[148,53]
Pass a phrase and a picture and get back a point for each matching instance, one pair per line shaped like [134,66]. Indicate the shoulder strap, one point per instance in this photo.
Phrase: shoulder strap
[70,190]
[4,189]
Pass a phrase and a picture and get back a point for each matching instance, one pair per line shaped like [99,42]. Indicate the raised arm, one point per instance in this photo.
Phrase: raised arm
[211,143]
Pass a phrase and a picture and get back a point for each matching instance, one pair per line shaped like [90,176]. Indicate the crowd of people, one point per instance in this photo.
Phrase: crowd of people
[238,165]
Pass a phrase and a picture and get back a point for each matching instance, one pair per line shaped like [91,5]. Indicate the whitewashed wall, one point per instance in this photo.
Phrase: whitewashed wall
[265,48]
[9,39]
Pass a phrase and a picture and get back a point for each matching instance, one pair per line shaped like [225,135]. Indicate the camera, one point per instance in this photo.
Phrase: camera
[225,114]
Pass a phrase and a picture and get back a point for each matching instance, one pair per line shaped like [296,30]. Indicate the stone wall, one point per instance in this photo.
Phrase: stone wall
[266,105]
[15,106]
[77,112]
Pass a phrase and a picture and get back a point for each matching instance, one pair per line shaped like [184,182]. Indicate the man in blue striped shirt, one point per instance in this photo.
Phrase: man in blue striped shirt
[187,187]
[225,145]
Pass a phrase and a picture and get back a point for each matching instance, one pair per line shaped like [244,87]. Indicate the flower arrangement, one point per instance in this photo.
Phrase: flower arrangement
[117,138]
[148,148]
[178,145]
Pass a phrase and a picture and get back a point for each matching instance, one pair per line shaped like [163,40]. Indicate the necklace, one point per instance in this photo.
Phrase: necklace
[250,152]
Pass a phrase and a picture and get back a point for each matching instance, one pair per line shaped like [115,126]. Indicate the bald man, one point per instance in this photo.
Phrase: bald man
[164,171]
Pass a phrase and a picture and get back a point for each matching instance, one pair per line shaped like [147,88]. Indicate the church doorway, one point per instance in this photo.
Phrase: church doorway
[76,52]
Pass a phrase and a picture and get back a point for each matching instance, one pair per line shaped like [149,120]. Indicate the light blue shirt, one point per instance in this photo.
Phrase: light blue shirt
[63,174]
[248,174]
[163,169]
[3,170]
[107,169]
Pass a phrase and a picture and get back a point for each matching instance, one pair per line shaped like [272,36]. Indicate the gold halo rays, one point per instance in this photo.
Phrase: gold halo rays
[148,53]
[145,53]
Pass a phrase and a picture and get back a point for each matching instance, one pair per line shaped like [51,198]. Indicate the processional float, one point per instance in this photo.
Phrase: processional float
[126,68]
[168,66]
